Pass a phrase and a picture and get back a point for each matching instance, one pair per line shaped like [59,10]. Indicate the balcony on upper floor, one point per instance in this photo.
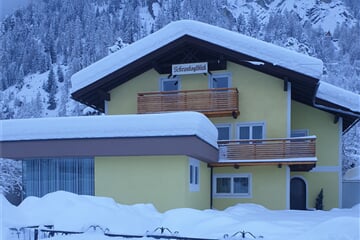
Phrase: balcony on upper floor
[215,102]
[299,153]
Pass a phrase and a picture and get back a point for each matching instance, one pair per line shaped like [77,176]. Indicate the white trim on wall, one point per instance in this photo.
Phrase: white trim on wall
[288,120]
[340,124]
[288,178]
[326,169]
[106,107]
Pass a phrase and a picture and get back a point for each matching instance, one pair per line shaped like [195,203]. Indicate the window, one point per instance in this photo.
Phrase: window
[232,185]
[194,175]
[169,84]
[220,80]
[42,176]
[251,130]
[300,133]
[224,131]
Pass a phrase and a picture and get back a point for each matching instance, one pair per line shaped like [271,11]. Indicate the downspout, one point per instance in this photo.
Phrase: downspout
[211,186]
[336,110]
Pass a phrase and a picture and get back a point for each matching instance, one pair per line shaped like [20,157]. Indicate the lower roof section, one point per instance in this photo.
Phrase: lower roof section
[180,133]
[114,126]
[192,146]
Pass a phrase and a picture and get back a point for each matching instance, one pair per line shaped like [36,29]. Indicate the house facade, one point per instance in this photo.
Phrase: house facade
[277,126]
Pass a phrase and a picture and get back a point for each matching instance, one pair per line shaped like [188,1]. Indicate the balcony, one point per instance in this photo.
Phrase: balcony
[298,153]
[217,102]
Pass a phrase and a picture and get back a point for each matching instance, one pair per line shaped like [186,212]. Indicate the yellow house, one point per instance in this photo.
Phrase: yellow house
[277,128]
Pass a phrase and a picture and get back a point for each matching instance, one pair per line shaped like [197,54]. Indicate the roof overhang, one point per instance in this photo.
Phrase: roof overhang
[191,41]
[191,146]
[180,133]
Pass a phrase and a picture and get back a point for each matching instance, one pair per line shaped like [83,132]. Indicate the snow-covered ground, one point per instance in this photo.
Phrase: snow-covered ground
[67,211]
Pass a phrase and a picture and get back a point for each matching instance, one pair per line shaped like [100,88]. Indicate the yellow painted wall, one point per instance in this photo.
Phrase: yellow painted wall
[160,180]
[200,199]
[321,124]
[124,97]
[261,99]
[261,96]
[328,181]
[268,187]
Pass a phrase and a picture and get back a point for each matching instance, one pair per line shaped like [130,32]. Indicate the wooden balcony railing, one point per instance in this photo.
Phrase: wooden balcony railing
[296,148]
[215,102]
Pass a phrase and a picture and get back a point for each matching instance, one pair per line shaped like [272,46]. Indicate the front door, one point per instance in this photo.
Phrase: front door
[297,194]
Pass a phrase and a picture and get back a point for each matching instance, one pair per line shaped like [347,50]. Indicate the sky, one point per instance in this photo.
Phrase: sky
[9,6]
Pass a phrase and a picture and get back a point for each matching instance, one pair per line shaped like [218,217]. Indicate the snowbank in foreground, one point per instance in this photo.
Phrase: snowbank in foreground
[67,211]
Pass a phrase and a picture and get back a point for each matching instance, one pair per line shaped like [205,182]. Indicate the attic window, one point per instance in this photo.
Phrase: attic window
[220,81]
[169,84]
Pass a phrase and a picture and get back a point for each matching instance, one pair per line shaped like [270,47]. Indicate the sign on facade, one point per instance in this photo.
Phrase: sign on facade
[189,68]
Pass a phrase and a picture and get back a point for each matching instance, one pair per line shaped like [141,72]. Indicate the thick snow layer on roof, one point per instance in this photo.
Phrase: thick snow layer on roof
[232,40]
[353,174]
[144,125]
[339,96]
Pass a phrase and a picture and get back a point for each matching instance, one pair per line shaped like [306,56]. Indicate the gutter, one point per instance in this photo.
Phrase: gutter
[336,110]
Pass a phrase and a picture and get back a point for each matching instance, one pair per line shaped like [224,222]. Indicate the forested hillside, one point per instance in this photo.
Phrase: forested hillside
[44,44]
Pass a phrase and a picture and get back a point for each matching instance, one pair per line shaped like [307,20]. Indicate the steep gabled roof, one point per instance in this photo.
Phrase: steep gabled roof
[191,41]
[91,84]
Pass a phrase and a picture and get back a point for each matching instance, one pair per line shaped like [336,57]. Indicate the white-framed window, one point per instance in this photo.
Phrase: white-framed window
[224,131]
[170,84]
[232,185]
[194,175]
[299,133]
[253,130]
[220,80]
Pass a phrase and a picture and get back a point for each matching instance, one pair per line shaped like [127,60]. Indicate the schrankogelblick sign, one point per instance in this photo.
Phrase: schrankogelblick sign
[189,68]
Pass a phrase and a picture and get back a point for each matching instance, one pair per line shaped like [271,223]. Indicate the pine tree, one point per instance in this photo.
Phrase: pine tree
[319,201]
[60,74]
[51,89]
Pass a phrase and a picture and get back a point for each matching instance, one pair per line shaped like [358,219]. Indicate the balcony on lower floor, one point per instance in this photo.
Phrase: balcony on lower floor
[216,102]
[298,153]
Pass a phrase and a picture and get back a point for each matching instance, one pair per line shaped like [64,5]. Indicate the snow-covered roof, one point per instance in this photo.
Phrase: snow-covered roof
[339,96]
[144,125]
[264,51]
[353,174]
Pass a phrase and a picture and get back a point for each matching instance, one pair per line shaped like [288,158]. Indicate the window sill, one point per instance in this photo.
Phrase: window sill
[232,196]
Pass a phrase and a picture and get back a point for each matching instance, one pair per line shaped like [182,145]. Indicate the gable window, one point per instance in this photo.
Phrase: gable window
[220,80]
[169,84]
[251,130]
[194,175]
[299,133]
[232,185]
